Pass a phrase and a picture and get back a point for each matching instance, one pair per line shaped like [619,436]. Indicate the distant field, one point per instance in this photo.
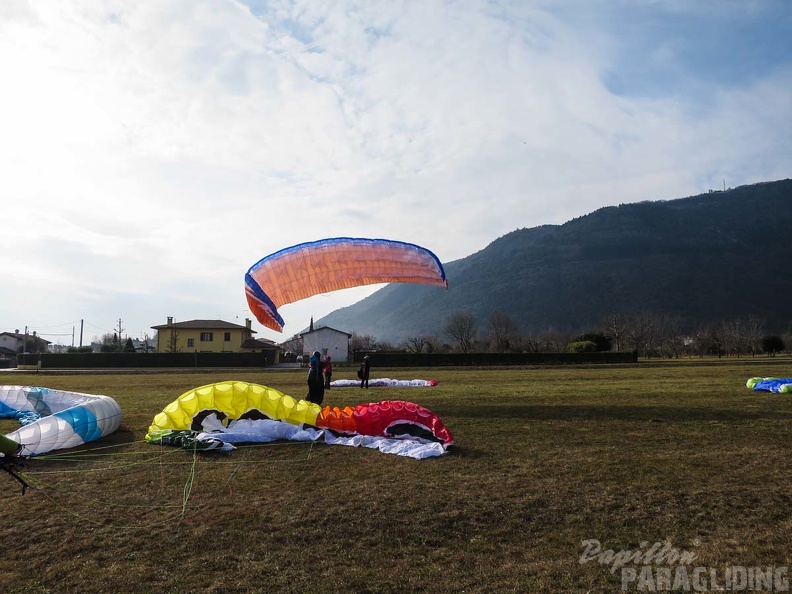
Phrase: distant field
[545,459]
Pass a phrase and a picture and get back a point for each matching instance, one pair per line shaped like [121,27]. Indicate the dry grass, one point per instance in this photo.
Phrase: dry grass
[545,458]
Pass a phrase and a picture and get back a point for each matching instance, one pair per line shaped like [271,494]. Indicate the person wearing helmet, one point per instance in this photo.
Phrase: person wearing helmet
[365,369]
[316,386]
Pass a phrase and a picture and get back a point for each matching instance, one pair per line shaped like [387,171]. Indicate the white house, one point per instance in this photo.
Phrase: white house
[9,343]
[327,341]
[12,343]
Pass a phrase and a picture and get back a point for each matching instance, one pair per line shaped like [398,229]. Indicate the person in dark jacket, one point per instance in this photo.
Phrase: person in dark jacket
[365,370]
[328,372]
[316,386]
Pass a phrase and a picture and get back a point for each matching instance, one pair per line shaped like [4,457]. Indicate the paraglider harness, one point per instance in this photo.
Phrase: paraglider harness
[10,464]
[11,460]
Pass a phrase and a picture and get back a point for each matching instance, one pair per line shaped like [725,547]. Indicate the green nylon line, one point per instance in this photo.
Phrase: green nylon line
[74,494]
[186,490]
[148,460]
[89,520]
[188,485]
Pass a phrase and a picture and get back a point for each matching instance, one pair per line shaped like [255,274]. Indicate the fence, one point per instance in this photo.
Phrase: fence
[142,360]
[379,359]
[387,359]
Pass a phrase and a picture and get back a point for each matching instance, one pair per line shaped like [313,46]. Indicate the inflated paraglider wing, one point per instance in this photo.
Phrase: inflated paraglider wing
[55,419]
[308,269]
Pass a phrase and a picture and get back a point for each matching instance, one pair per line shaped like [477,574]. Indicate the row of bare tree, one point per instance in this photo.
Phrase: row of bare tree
[650,334]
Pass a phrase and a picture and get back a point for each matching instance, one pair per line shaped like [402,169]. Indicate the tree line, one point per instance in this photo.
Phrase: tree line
[651,335]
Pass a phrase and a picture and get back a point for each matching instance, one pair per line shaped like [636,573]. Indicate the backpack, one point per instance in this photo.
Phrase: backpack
[360,372]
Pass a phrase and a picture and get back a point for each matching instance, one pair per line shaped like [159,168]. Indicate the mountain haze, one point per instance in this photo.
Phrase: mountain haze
[718,256]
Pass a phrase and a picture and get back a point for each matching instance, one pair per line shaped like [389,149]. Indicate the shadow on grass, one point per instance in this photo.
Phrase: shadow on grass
[120,436]
[614,413]
[470,453]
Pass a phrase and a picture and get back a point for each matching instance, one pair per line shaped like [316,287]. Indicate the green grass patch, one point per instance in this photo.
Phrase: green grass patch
[545,458]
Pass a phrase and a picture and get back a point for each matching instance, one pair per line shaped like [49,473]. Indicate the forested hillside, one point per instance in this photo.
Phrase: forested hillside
[708,258]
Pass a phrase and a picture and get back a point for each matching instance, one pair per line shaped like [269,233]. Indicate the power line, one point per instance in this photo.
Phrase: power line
[87,323]
[50,334]
[54,325]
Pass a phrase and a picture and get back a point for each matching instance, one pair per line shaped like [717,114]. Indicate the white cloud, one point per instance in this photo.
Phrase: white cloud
[153,151]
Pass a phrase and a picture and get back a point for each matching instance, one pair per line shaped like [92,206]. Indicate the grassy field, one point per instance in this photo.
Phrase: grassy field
[545,458]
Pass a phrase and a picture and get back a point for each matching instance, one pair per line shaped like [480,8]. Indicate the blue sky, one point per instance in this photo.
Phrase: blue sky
[153,151]
[714,45]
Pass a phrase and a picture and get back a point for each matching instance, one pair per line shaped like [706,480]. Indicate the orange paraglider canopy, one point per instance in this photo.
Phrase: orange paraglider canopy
[316,267]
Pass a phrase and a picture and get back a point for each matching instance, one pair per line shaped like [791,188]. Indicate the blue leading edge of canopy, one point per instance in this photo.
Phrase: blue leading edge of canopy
[6,412]
[263,297]
[83,421]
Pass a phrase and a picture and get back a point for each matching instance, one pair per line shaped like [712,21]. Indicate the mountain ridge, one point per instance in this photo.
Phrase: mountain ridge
[705,258]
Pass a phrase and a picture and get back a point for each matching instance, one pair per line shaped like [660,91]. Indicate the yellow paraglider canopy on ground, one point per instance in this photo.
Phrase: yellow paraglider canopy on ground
[234,399]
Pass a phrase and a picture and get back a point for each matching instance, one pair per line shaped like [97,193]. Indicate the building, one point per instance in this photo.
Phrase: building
[327,341]
[203,336]
[261,345]
[9,344]
[12,343]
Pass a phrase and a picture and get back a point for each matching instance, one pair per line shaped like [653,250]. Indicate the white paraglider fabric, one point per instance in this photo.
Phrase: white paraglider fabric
[385,382]
[56,419]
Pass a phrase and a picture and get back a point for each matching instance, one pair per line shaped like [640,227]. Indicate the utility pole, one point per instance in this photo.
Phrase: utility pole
[120,330]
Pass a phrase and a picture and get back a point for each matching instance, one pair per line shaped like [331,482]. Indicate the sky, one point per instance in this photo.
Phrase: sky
[151,152]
